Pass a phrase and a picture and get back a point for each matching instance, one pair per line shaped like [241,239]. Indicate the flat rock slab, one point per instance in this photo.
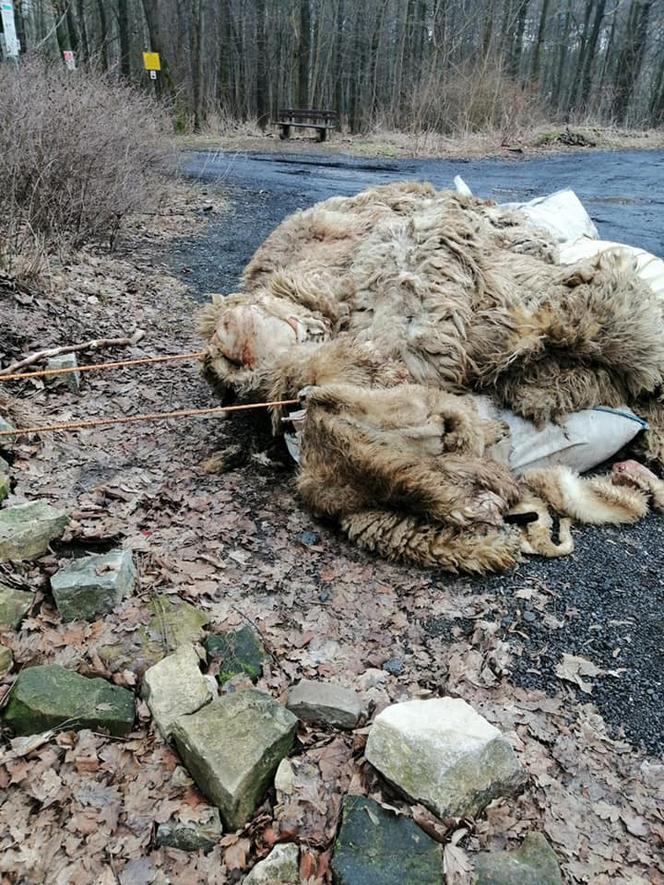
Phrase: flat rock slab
[14,605]
[48,696]
[174,687]
[440,752]
[93,585]
[172,623]
[326,702]
[72,380]
[378,847]
[239,651]
[232,748]
[191,835]
[280,867]
[535,863]
[27,529]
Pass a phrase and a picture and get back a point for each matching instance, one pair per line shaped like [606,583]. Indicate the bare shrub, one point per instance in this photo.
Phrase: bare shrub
[78,152]
[473,97]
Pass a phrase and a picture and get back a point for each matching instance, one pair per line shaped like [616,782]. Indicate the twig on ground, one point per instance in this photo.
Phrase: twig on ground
[93,344]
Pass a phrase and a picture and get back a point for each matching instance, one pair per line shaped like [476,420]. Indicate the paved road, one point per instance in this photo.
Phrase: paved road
[608,597]
[622,191]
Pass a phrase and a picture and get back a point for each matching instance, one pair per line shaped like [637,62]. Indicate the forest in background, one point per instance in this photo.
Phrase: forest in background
[446,66]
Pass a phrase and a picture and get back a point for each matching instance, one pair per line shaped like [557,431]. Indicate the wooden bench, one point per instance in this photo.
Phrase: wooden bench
[321,121]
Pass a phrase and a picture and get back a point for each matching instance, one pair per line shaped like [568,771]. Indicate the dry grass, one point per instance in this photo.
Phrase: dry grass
[78,153]
[426,144]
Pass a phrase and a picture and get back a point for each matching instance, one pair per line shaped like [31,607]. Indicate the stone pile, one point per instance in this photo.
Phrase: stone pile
[437,752]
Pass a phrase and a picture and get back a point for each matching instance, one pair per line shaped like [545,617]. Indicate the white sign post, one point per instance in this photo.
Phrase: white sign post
[70,60]
[12,46]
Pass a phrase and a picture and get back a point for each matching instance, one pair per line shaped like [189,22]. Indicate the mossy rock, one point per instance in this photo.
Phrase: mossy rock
[49,696]
[26,530]
[5,486]
[535,863]
[240,651]
[14,605]
[378,847]
[173,622]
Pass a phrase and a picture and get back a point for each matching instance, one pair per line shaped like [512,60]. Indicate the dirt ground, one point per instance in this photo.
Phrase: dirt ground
[82,808]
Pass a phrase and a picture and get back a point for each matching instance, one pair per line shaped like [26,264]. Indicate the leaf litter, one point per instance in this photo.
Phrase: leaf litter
[79,807]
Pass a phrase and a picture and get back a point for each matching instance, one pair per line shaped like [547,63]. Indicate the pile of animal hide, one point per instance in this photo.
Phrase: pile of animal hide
[406,320]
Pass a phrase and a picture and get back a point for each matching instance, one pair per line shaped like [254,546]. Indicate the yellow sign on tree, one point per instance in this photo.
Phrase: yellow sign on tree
[151,61]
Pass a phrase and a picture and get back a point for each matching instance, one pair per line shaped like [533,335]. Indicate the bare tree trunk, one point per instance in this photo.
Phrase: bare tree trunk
[262,96]
[586,76]
[581,61]
[631,57]
[537,52]
[84,46]
[103,44]
[558,92]
[125,47]
[304,52]
[339,60]
[197,62]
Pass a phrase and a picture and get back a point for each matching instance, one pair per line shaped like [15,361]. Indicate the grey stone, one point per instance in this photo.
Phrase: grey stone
[326,702]
[174,687]
[393,666]
[4,426]
[172,623]
[239,651]
[535,863]
[280,867]
[48,696]
[6,660]
[14,605]
[232,748]
[5,466]
[378,847]
[93,585]
[72,380]
[191,835]
[440,752]
[27,529]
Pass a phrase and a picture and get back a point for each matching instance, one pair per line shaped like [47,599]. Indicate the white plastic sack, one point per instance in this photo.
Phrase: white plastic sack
[562,214]
[584,440]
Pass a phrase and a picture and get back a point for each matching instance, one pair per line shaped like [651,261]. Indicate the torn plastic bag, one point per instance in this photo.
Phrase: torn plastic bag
[582,441]
[561,214]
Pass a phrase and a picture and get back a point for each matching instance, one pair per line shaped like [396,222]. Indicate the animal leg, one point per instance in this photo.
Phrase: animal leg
[596,501]
[406,538]
[632,474]
[536,536]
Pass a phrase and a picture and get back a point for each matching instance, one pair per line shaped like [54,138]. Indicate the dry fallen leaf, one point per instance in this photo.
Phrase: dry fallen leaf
[572,668]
